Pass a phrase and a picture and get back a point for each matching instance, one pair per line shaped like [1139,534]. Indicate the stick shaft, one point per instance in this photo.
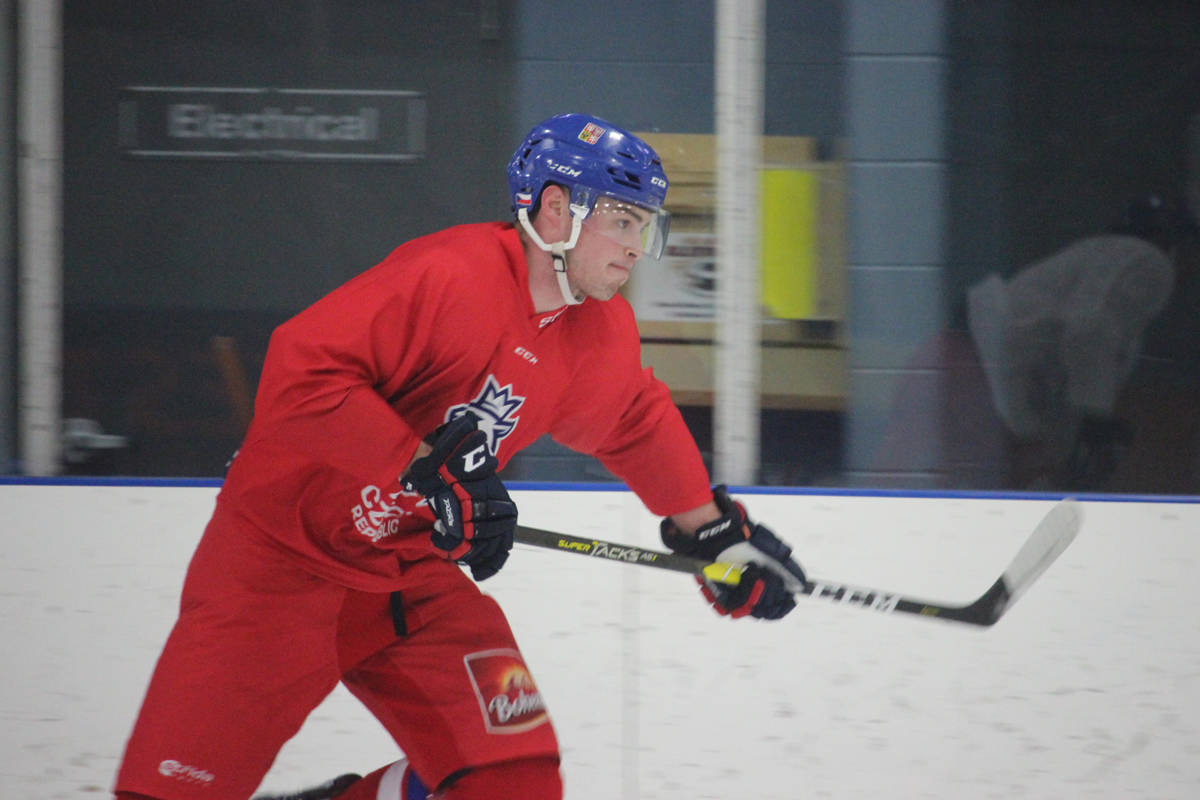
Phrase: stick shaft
[1047,541]
[834,591]
[611,551]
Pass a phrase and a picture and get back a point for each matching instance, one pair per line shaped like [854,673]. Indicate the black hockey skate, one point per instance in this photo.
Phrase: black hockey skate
[326,791]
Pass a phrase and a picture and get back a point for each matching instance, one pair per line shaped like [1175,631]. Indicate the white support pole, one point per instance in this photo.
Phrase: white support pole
[39,191]
[739,125]
[8,240]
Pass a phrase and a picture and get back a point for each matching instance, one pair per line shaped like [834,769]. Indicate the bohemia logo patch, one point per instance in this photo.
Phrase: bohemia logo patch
[496,407]
[508,698]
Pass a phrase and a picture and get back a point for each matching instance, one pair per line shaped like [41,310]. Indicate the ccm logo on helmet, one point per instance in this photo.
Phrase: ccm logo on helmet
[563,169]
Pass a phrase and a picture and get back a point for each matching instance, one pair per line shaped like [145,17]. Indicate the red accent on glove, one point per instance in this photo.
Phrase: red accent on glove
[736,613]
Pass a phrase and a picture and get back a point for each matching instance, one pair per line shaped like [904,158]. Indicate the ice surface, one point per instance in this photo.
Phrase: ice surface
[1088,687]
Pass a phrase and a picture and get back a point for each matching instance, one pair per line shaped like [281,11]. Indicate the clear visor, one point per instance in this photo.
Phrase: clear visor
[633,226]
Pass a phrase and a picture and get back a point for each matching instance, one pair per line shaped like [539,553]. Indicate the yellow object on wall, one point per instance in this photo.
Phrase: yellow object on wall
[789,243]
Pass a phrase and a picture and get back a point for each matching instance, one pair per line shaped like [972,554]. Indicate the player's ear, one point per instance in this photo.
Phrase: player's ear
[555,200]
[554,211]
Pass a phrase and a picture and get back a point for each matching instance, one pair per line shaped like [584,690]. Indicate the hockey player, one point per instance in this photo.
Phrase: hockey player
[368,476]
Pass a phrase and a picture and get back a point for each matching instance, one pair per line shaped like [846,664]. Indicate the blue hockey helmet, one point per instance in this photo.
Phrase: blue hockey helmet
[592,158]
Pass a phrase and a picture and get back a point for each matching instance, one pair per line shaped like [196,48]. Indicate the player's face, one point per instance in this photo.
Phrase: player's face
[610,243]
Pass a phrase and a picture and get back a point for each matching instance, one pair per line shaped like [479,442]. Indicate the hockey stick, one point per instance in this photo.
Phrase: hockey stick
[1048,540]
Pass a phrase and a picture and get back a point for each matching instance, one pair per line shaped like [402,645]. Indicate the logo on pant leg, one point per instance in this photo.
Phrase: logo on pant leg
[184,772]
[508,698]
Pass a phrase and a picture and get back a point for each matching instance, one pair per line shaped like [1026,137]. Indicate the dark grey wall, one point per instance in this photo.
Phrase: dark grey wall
[161,256]
[1061,112]
[1101,95]
[239,235]
[980,142]
[649,66]
[274,236]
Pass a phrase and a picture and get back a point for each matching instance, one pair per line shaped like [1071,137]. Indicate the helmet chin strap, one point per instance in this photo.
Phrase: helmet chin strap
[558,250]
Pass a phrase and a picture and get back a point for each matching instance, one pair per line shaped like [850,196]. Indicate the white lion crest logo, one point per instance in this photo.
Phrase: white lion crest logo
[496,408]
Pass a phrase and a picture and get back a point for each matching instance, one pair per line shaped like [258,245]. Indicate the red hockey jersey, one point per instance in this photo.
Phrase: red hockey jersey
[445,324]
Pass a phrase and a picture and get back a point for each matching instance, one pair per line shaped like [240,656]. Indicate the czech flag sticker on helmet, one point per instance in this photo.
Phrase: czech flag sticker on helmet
[524,199]
[591,133]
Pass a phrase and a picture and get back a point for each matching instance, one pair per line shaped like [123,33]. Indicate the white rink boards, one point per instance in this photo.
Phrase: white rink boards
[1088,687]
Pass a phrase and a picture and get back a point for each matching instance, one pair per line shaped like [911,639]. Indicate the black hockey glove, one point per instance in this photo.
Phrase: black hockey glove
[767,584]
[475,516]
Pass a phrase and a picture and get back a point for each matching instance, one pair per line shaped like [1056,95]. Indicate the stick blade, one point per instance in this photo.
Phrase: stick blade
[1047,542]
